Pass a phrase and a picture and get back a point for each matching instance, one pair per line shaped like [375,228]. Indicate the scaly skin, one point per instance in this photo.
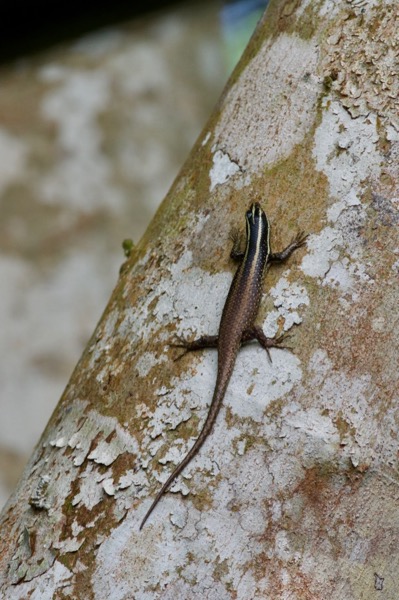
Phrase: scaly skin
[237,325]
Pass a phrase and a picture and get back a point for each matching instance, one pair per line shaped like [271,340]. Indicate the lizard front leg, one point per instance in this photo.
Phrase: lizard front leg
[298,241]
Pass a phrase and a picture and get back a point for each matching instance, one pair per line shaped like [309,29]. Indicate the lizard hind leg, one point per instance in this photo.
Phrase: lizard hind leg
[256,333]
[205,341]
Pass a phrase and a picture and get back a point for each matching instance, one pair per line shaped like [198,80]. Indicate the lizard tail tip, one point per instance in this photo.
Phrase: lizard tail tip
[143,522]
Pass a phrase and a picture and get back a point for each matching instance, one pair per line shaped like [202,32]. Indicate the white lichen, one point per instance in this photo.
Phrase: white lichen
[222,170]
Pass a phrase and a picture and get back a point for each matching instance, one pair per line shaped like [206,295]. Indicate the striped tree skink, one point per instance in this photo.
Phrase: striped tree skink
[237,325]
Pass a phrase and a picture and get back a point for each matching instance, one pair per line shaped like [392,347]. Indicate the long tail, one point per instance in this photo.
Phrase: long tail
[214,409]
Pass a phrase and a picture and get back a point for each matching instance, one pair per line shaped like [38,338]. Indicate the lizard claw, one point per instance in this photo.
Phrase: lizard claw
[300,239]
[235,235]
[179,343]
[283,338]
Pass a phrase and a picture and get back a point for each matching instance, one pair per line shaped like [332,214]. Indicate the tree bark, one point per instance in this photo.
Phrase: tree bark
[295,494]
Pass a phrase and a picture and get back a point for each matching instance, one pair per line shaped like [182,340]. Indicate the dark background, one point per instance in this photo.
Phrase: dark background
[28,26]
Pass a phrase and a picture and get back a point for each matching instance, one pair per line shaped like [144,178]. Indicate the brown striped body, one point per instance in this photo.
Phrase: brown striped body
[237,324]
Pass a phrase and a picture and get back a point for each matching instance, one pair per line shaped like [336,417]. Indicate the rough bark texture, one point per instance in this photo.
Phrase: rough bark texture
[295,495]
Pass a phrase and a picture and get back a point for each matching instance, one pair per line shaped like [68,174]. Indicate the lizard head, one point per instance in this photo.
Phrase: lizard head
[254,212]
[258,227]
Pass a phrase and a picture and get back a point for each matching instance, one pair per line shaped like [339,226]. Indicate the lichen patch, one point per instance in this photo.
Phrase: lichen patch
[362,60]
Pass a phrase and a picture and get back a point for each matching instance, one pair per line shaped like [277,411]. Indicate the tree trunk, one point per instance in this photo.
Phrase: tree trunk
[295,493]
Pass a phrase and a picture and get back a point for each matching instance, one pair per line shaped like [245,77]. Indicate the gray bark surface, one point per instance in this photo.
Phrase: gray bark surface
[295,494]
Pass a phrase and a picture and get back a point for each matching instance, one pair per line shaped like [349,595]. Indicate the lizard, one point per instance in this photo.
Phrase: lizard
[237,324]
